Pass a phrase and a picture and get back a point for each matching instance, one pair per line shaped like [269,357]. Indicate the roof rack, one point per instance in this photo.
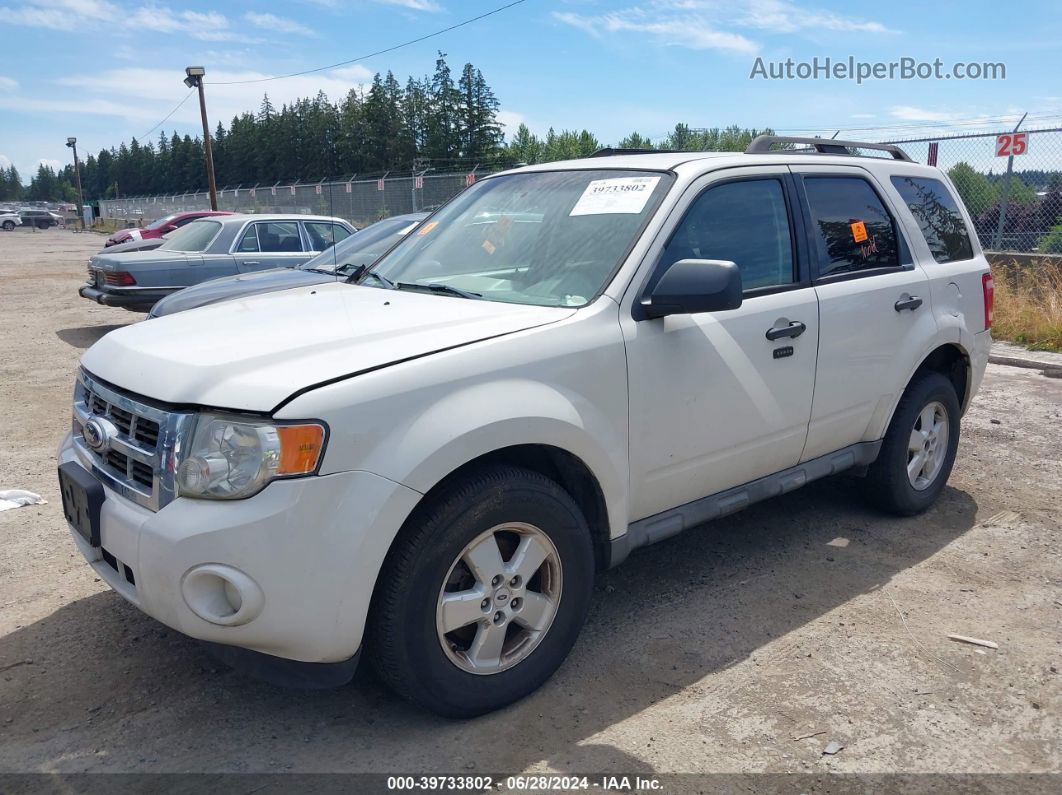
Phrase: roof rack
[609,151]
[761,145]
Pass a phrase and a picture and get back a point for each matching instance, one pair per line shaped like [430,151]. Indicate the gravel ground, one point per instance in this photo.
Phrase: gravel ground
[744,646]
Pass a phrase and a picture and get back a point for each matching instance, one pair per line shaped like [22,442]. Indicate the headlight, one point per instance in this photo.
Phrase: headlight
[231,458]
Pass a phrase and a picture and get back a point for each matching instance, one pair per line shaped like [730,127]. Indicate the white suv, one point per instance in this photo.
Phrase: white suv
[566,362]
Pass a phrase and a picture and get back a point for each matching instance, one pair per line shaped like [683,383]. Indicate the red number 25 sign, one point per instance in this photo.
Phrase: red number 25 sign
[1012,144]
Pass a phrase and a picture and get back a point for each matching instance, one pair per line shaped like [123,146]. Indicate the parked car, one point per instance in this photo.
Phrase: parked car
[566,362]
[341,261]
[42,219]
[9,221]
[160,227]
[206,249]
[149,244]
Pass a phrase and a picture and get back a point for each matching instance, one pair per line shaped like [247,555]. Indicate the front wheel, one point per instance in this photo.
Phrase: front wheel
[483,594]
[9,225]
[919,448]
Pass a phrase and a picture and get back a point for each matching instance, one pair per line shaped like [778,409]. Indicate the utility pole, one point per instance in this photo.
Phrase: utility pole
[72,143]
[194,79]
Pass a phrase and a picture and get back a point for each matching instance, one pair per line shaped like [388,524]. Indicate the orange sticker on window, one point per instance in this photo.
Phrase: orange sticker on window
[859,231]
[427,228]
[489,247]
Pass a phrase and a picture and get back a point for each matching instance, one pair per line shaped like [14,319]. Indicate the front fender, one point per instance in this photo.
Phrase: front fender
[484,418]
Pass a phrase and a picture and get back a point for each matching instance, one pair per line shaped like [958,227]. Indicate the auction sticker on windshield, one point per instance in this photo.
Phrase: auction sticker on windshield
[618,195]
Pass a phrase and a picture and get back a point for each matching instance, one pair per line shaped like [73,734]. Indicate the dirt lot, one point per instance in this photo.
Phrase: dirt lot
[809,616]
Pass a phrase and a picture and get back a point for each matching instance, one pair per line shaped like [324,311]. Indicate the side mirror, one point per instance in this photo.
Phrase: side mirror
[690,286]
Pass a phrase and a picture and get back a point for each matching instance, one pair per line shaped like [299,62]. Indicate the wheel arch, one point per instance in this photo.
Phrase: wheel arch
[562,466]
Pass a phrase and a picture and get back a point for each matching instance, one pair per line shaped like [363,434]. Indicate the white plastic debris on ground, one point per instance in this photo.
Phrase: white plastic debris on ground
[16,498]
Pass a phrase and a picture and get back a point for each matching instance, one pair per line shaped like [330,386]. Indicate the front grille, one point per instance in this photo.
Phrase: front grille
[137,458]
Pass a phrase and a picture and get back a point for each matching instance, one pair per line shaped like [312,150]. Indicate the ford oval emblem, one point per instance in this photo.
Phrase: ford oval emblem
[95,435]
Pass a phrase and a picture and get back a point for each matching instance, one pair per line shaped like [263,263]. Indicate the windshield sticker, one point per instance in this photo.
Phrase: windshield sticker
[489,247]
[859,231]
[427,228]
[619,195]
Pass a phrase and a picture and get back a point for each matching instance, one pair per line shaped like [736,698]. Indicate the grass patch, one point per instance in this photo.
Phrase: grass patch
[1028,306]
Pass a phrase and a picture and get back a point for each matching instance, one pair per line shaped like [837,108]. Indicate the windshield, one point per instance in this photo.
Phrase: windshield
[362,248]
[551,238]
[196,236]
[160,223]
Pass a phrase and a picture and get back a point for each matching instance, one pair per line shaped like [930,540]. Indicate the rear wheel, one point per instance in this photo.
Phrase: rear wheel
[919,448]
[43,224]
[484,593]
[9,225]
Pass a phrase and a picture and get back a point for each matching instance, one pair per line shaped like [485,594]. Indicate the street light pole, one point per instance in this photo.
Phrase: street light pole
[194,79]
[72,143]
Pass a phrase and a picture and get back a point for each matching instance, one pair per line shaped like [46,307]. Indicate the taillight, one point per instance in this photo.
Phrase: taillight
[988,289]
[118,278]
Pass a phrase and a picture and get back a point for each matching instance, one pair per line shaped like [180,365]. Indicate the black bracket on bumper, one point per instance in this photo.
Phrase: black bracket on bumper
[282,672]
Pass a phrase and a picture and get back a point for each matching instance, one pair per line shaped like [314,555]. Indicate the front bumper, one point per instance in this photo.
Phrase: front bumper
[137,301]
[309,547]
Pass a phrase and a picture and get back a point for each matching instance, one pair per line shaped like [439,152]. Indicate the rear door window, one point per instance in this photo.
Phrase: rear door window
[852,229]
[938,215]
[279,236]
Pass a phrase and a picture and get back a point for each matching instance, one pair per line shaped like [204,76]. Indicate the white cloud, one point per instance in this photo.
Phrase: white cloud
[414,5]
[277,24]
[60,14]
[911,113]
[143,96]
[55,165]
[510,121]
[205,26]
[5,161]
[711,24]
[8,83]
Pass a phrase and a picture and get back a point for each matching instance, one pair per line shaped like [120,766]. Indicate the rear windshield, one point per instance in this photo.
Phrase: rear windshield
[194,237]
[161,222]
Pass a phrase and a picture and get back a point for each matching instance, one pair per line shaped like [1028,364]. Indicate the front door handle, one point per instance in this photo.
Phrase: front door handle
[250,262]
[912,302]
[794,329]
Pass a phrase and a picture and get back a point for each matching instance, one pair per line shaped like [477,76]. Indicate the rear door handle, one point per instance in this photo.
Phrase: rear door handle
[794,329]
[250,262]
[911,302]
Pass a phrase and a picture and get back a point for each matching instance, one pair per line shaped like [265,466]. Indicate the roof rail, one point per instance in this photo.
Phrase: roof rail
[609,151]
[761,145]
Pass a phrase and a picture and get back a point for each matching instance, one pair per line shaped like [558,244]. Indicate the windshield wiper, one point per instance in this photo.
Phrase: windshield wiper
[435,287]
[387,283]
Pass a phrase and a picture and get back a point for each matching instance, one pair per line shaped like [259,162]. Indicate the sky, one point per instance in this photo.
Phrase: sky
[110,70]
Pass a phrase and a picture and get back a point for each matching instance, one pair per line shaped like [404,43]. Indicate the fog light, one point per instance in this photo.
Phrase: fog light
[222,595]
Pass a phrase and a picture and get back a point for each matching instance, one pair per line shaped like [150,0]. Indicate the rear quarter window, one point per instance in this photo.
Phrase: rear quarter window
[937,213]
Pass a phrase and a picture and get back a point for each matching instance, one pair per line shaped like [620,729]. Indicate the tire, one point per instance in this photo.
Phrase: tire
[405,638]
[928,399]
[43,224]
[9,225]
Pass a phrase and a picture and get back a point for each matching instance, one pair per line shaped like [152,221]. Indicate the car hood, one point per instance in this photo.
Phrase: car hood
[241,285]
[250,354]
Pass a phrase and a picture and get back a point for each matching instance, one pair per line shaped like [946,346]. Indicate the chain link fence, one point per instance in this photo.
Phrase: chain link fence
[1011,182]
[360,201]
